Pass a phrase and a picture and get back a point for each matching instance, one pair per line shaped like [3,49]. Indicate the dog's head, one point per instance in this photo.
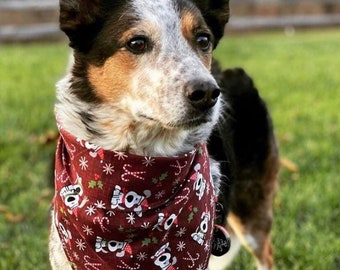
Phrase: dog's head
[149,60]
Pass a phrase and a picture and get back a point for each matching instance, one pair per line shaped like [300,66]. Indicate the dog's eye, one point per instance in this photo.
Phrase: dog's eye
[203,42]
[137,45]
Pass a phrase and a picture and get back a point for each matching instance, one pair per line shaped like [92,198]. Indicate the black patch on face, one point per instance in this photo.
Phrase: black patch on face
[83,20]
[94,28]
[80,85]
[184,5]
[87,119]
[216,15]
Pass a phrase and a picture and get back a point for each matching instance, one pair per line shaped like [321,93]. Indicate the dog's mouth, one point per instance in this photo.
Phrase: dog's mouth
[188,123]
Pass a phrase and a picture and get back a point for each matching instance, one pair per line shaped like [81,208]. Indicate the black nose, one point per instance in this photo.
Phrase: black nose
[202,95]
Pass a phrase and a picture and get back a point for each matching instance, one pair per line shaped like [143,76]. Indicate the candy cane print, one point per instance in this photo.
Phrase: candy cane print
[179,167]
[128,267]
[91,265]
[100,221]
[184,197]
[192,259]
[129,172]
[63,177]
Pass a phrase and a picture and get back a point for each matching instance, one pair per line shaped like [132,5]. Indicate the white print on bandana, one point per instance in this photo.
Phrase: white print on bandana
[134,212]
[119,248]
[200,182]
[71,195]
[201,231]
[130,200]
[163,258]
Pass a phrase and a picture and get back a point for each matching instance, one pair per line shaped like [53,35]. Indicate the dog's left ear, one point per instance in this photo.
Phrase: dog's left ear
[80,20]
[216,14]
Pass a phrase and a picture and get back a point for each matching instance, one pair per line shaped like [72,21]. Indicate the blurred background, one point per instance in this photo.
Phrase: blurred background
[27,20]
[291,48]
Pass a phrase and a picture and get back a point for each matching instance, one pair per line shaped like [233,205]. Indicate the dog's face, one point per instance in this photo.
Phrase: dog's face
[149,60]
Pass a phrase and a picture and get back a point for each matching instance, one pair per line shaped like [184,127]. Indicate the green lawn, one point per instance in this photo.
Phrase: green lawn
[299,77]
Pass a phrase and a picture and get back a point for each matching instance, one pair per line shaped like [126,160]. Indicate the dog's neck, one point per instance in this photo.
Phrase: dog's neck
[119,131]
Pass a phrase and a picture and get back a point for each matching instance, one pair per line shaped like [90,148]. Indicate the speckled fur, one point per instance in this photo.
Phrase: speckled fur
[135,103]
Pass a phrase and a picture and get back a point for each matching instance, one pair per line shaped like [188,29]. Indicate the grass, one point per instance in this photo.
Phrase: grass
[27,78]
[299,78]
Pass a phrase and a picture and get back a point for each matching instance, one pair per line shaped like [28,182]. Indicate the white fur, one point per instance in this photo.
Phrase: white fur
[156,107]
[251,242]
[157,102]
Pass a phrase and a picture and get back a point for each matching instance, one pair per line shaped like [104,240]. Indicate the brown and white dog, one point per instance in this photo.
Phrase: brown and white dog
[141,84]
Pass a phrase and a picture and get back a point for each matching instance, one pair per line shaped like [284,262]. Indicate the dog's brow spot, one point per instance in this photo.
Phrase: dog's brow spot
[104,79]
[189,20]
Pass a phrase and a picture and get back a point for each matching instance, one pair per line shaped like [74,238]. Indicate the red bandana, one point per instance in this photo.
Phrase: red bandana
[121,211]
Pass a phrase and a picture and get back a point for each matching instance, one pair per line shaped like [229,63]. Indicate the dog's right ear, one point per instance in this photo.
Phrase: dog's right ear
[216,14]
[80,20]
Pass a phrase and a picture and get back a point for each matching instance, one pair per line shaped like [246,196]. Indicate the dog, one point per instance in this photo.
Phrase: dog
[244,143]
[135,185]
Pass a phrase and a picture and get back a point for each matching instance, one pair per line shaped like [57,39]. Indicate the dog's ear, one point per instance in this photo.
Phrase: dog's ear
[216,14]
[80,19]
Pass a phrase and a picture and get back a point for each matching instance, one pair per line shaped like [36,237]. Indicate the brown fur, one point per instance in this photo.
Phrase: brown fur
[107,80]
[104,78]
[253,164]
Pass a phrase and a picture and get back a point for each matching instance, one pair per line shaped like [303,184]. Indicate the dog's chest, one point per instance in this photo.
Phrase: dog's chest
[127,211]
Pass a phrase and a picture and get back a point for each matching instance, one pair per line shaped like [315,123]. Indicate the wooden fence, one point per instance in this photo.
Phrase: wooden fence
[29,20]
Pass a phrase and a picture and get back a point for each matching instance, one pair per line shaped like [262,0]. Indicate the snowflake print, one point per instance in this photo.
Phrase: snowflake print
[83,163]
[201,267]
[66,221]
[100,205]
[87,230]
[131,236]
[110,213]
[141,256]
[146,225]
[76,256]
[160,194]
[181,232]
[81,245]
[131,218]
[120,155]
[148,161]
[180,246]
[177,181]
[108,169]
[90,210]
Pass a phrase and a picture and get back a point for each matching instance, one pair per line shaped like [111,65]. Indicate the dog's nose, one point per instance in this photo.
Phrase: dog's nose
[202,95]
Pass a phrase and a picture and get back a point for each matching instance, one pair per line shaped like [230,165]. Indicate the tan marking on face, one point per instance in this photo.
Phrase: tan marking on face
[112,79]
[190,21]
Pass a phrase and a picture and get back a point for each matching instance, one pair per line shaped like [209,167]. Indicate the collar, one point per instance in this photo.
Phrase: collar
[115,210]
